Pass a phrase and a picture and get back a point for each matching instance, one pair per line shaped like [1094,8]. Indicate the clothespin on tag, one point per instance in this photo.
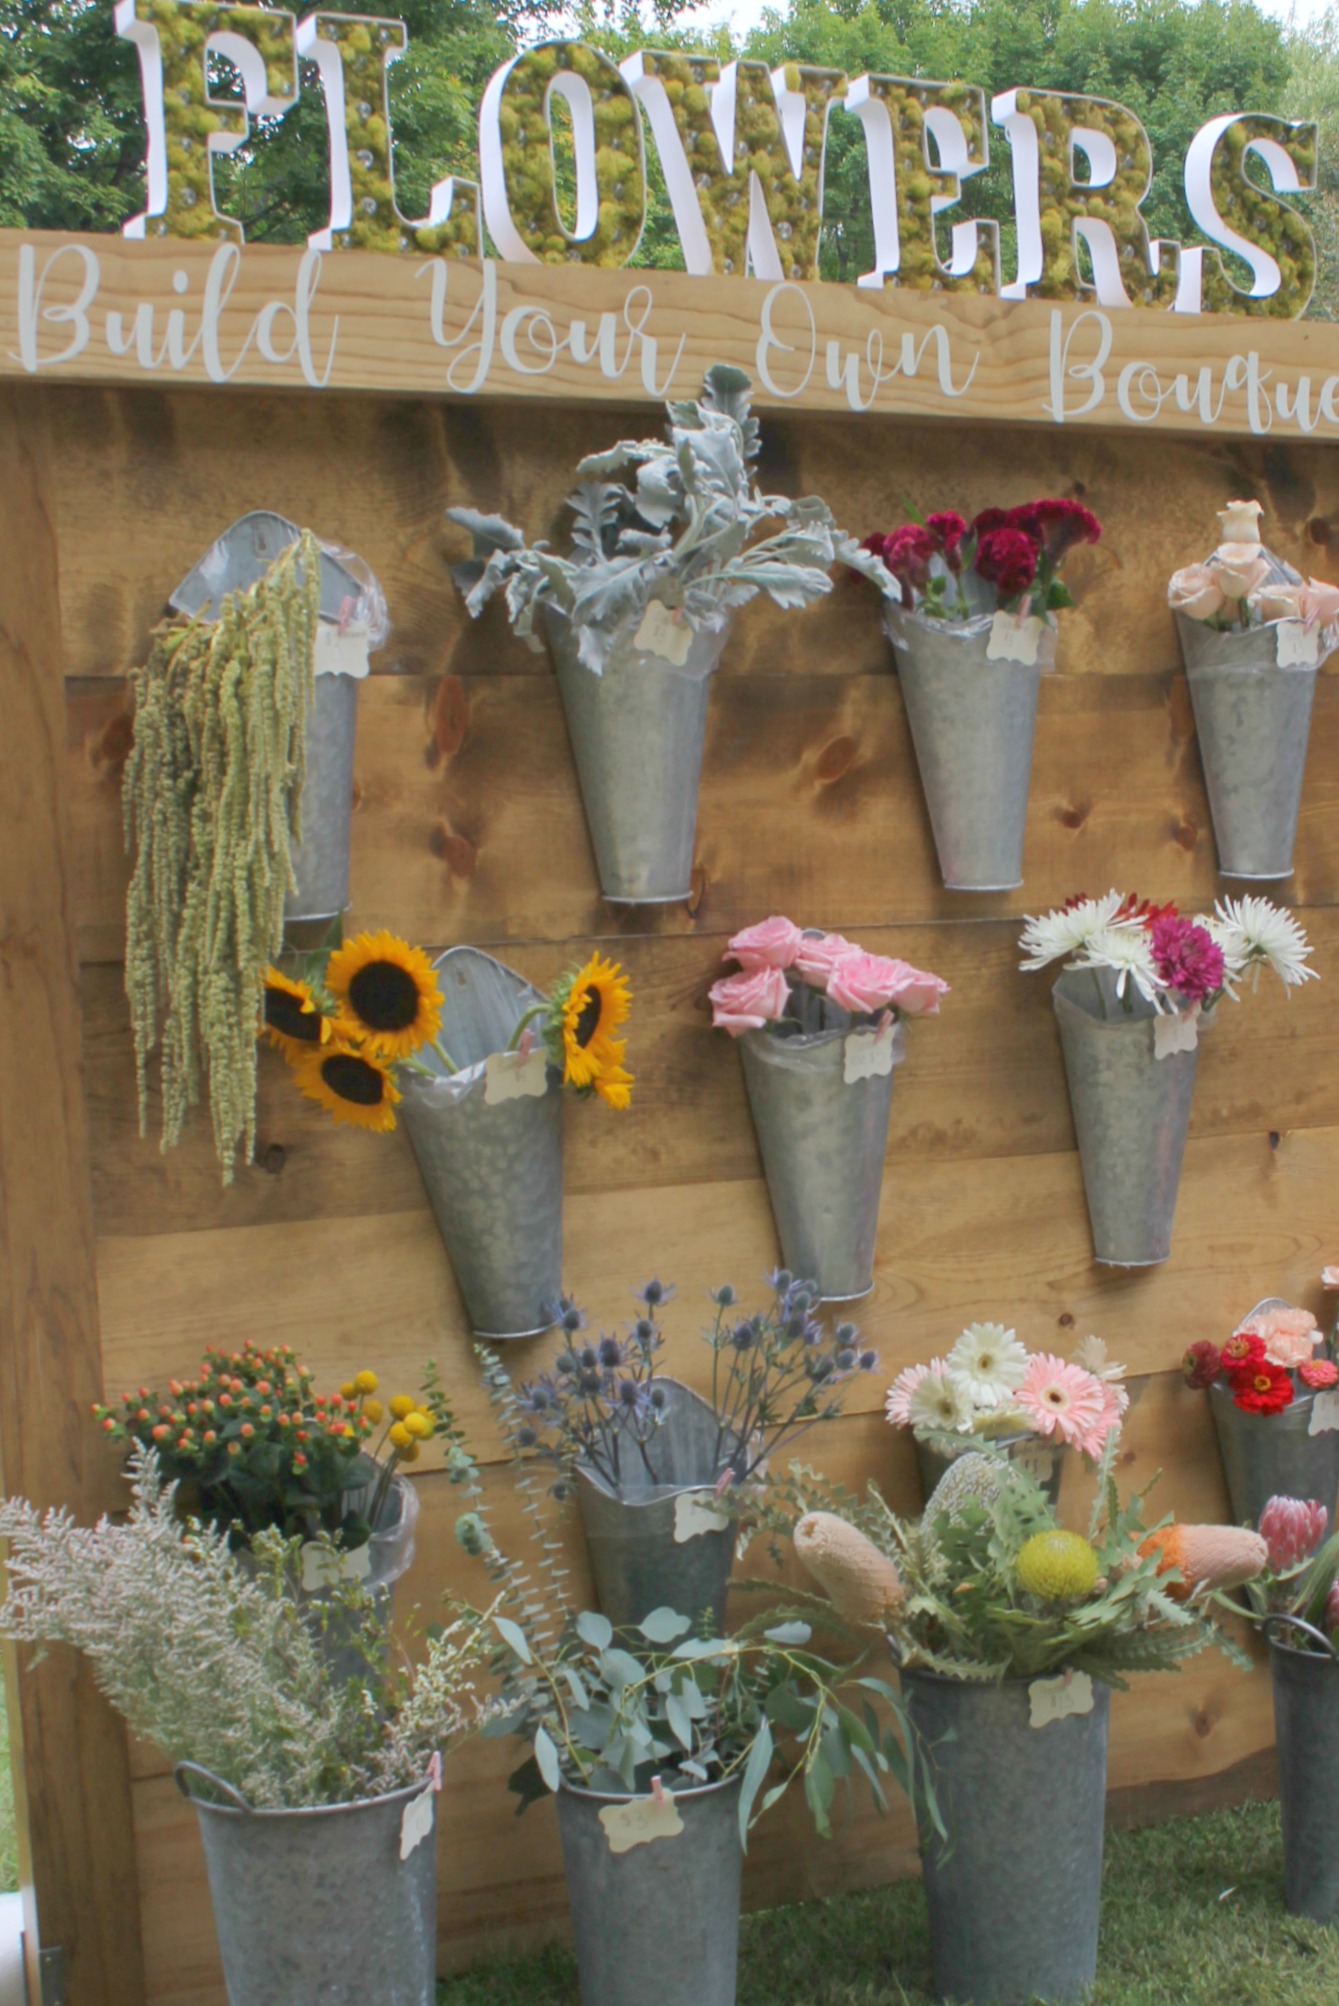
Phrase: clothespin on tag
[435,1769]
[658,1793]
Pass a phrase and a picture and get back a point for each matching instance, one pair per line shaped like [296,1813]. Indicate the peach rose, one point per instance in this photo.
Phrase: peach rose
[747,1001]
[773,943]
[1318,603]
[1239,569]
[1195,592]
[1276,602]
[1239,522]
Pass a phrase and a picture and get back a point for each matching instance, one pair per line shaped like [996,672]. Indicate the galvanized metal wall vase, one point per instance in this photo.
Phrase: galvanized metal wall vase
[638,614]
[1138,985]
[332,1906]
[1273,1389]
[1254,634]
[819,1024]
[970,610]
[1305,1669]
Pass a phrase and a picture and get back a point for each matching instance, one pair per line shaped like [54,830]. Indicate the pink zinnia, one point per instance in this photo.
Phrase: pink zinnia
[1187,958]
[897,1407]
[1318,1374]
[1292,1529]
[1061,1399]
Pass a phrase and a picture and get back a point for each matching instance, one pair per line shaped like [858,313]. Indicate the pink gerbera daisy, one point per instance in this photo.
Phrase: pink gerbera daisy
[1061,1399]
[1115,1400]
[897,1407]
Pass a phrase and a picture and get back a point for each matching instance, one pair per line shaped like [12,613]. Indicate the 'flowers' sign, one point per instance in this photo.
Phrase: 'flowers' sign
[742,151]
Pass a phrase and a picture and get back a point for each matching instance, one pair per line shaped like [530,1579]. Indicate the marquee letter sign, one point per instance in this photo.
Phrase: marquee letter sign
[742,150]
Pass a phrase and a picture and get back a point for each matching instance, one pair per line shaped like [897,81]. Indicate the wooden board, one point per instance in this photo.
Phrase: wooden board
[358,321]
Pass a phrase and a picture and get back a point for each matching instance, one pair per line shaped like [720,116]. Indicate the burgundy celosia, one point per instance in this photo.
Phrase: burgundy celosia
[1187,958]
[1007,560]
[1061,524]
[949,528]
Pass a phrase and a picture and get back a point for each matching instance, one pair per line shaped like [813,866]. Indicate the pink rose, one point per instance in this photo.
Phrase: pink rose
[1318,603]
[917,993]
[1195,592]
[817,956]
[747,1001]
[773,943]
[865,981]
[1238,568]
[1276,602]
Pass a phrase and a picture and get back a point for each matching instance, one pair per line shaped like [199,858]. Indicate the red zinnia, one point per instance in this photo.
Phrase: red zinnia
[1008,560]
[1201,1364]
[1264,1389]
[1243,1352]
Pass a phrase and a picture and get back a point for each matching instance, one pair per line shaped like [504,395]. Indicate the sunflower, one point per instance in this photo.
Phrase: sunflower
[294,1021]
[614,1086]
[586,1010]
[388,992]
[356,1085]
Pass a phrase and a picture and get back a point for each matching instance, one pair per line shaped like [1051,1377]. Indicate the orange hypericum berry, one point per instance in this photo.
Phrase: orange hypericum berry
[143,1414]
[109,1426]
[303,1435]
[174,1387]
[161,1432]
[210,1437]
[234,1448]
[247,1431]
[225,1400]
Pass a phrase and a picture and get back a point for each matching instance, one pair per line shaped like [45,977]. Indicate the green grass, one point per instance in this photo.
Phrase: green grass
[9,1859]
[1192,1916]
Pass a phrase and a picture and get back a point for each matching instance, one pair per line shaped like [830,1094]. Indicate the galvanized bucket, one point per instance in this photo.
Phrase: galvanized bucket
[319,1907]
[1131,1114]
[823,1140]
[656,1921]
[1306,1727]
[1015,1896]
[321,859]
[1274,1455]
[1253,720]
[489,1142]
[973,723]
[1041,1458]
[662,1541]
[637,734]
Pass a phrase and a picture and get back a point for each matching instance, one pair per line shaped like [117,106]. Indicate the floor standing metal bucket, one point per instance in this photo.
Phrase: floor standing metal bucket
[1274,1455]
[656,1922]
[489,1142]
[1306,1726]
[1253,720]
[1041,1458]
[319,1907]
[637,734]
[321,859]
[1131,1114]
[1015,1894]
[823,1140]
[663,1543]
[973,723]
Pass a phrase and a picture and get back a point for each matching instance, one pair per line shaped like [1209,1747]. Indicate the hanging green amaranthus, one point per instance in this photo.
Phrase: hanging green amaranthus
[212,801]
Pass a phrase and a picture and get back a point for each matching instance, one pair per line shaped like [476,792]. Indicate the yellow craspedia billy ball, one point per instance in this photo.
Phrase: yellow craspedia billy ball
[1057,1567]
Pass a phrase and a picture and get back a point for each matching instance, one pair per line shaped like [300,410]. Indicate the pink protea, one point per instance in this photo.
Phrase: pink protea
[1292,1529]
[897,1406]
[1061,1399]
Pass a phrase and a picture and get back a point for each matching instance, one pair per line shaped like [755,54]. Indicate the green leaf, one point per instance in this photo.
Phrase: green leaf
[820,1787]
[513,1636]
[789,1634]
[664,1626]
[755,1770]
[680,1725]
[595,1630]
[546,1755]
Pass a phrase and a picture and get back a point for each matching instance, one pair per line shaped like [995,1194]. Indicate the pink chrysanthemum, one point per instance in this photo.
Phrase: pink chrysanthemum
[1187,958]
[1061,1399]
[897,1407]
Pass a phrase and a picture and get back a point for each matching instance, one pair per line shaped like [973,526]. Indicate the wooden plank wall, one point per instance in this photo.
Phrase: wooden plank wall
[468,827]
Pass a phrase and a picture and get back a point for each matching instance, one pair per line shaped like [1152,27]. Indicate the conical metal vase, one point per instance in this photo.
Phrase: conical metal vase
[1015,1894]
[637,734]
[1253,720]
[973,723]
[321,859]
[1274,1455]
[656,1919]
[1306,1727]
[489,1142]
[823,1140]
[319,1907]
[659,1540]
[1041,1458]
[1131,1113]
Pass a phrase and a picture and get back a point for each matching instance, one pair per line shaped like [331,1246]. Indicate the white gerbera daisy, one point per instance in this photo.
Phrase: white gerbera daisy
[989,1362]
[1255,933]
[1127,950]
[1053,935]
[1091,1353]
[940,1403]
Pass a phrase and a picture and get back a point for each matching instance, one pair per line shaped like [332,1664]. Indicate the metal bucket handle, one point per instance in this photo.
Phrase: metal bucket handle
[184,1771]
[1307,1629]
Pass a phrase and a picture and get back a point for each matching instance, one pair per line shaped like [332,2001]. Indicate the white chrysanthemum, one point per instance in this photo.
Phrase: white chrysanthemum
[989,1363]
[939,1403]
[1053,935]
[1091,1353]
[1127,950]
[1255,933]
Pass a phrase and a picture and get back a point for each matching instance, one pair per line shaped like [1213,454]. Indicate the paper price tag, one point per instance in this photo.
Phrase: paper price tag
[1014,640]
[341,653]
[867,1055]
[665,633]
[1176,1033]
[1034,1458]
[696,1512]
[323,1566]
[510,1077]
[641,1822]
[1056,1699]
[1297,645]
[1324,1413]
[417,1823]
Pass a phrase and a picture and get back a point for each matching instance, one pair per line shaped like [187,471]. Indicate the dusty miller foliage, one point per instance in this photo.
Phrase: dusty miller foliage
[212,800]
[681,527]
[227,1668]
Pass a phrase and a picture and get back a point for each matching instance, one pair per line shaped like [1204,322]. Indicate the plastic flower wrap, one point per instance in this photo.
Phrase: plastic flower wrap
[990,1386]
[794,980]
[1274,1354]
[947,568]
[1242,585]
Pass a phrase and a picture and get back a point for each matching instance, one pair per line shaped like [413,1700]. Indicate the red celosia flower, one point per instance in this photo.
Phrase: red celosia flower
[907,553]
[949,528]
[1201,1364]
[1025,519]
[1318,1373]
[988,520]
[1264,1389]
[1008,560]
[1243,1351]
[1062,524]
[1187,958]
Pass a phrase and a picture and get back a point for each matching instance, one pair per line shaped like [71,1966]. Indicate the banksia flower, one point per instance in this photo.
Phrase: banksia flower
[1206,1556]
[1056,1567]
[860,1582]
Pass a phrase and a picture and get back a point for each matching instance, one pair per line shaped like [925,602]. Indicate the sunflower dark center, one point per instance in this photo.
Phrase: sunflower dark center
[353,1079]
[385,996]
[285,1013]
[589,1019]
